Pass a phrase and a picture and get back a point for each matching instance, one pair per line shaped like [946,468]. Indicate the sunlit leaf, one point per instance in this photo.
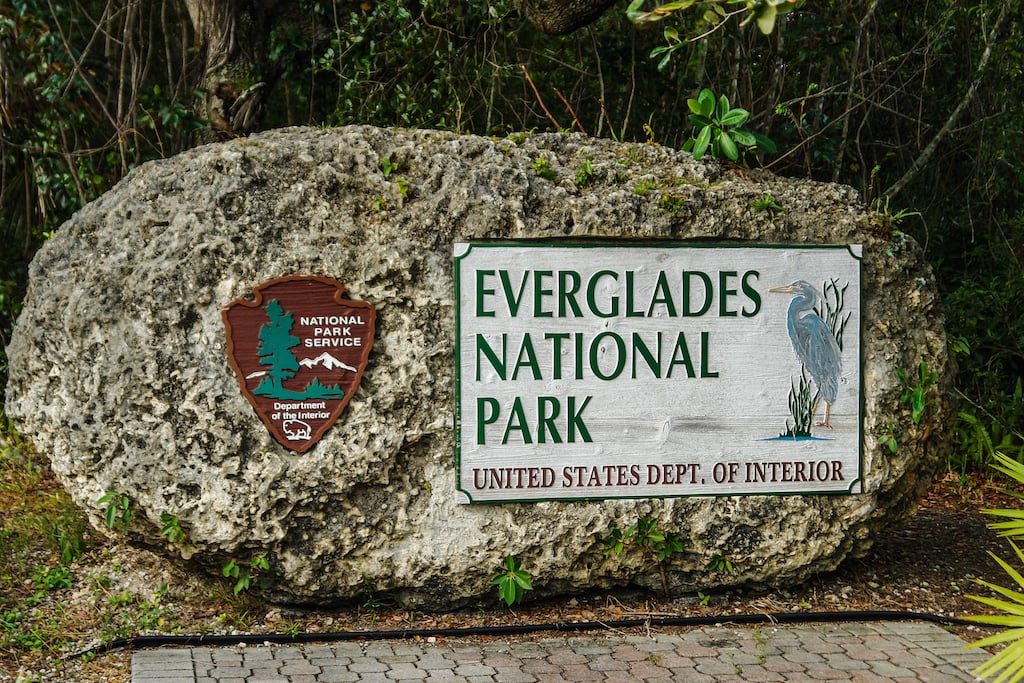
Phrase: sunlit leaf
[728,147]
[723,106]
[1011,660]
[701,144]
[766,19]
[1003,637]
[706,99]
[674,6]
[735,117]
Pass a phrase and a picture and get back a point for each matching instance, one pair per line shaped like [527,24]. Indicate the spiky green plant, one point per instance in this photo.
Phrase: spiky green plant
[1008,663]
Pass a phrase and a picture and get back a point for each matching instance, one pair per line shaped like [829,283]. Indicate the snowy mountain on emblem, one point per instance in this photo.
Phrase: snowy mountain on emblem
[328,361]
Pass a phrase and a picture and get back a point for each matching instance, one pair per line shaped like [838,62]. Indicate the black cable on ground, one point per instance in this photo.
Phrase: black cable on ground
[219,640]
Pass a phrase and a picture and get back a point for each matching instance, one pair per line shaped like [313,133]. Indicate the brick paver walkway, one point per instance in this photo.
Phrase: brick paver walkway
[864,652]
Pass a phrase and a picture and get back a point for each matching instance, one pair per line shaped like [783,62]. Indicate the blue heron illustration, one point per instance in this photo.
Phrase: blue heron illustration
[814,343]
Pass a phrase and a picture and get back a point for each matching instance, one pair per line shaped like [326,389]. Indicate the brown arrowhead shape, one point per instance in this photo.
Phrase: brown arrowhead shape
[299,350]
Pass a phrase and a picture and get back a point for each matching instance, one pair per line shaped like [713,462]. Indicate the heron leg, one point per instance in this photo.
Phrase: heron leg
[825,423]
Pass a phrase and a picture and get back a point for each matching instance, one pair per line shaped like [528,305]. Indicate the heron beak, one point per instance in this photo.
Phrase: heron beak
[787,289]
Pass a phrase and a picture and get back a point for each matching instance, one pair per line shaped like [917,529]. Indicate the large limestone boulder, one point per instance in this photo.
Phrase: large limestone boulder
[119,369]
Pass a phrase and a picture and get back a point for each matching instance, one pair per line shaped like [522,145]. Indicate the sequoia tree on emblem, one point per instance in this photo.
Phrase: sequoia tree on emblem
[299,351]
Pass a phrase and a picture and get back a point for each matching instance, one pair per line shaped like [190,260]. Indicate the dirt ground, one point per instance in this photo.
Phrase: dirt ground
[928,565]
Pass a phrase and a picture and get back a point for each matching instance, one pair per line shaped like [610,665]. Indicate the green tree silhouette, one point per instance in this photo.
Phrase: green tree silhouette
[276,342]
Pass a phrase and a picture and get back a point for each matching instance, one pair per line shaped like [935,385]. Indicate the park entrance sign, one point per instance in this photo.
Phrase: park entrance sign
[591,371]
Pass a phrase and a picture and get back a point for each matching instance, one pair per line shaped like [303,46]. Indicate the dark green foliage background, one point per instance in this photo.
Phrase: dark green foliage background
[851,92]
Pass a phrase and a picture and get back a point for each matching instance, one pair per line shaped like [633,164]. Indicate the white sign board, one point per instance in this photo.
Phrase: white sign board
[626,371]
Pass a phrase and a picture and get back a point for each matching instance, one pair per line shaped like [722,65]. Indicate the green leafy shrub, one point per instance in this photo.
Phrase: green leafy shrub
[512,581]
[719,128]
[984,320]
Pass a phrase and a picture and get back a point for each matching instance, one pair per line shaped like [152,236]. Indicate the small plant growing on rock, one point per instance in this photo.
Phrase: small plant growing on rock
[915,394]
[889,439]
[117,509]
[721,563]
[766,203]
[645,186]
[172,531]
[644,534]
[244,575]
[584,174]
[512,581]
[542,168]
[387,167]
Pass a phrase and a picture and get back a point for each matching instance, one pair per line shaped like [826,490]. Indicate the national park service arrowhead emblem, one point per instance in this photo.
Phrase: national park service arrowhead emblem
[299,350]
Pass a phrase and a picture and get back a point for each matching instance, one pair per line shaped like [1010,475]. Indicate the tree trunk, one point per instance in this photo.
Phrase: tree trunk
[234,36]
[558,17]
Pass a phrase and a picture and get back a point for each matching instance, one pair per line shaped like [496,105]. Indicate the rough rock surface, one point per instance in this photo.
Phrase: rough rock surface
[119,372]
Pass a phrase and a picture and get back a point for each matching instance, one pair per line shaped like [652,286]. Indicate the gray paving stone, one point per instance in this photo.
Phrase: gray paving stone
[692,676]
[226,656]
[337,675]
[446,675]
[474,669]
[465,655]
[434,660]
[220,671]
[299,669]
[406,671]
[347,649]
[379,649]
[910,626]
[530,650]
[375,677]
[714,667]
[860,629]
[366,665]
[317,651]
[512,674]
[657,645]
[329,661]
[589,648]
[840,662]
[265,672]
[798,656]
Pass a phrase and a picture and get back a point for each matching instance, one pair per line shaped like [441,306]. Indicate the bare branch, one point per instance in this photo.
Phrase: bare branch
[926,154]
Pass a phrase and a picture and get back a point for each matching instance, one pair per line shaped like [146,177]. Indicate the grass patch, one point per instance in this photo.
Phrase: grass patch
[42,535]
